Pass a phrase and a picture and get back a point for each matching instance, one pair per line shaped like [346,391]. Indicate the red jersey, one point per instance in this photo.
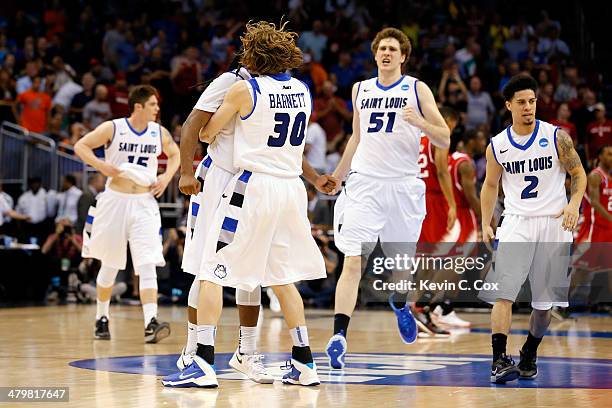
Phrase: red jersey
[593,220]
[429,171]
[453,165]
[465,215]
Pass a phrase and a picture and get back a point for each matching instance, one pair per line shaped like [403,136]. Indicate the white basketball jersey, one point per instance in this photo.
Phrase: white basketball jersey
[388,146]
[270,139]
[533,178]
[129,146]
[222,149]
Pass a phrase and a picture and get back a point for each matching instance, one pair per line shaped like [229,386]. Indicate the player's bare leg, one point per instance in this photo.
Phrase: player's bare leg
[104,289]
[503,368]
[348,288]
[147,283]
[303,369]
[538,324]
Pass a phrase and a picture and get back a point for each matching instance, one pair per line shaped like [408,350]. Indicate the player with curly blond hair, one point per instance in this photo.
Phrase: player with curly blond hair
[260,233]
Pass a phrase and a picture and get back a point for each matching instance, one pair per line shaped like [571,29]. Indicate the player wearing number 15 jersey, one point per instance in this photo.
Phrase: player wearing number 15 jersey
[531,157]
[127,212]
[383,198]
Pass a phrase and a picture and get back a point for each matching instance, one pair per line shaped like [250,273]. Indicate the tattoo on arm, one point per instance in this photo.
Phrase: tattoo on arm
[567,153]
[574,186]
[570,160]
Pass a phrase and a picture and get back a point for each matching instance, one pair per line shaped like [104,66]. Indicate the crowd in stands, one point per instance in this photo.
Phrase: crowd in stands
[67,67]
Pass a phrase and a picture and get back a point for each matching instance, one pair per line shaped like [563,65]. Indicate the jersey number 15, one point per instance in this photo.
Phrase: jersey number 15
[141,161]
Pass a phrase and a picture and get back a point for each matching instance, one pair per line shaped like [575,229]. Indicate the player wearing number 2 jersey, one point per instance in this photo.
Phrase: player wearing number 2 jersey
[383,198]
[531,157]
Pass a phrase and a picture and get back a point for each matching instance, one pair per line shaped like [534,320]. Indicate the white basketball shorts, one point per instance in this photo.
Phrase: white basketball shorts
[369,209]
[534,248]
[202,208]
[261,235]
[119,218]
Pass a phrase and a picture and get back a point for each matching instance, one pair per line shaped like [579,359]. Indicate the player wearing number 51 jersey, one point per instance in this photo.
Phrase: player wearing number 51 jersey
[383,198]
[531,157]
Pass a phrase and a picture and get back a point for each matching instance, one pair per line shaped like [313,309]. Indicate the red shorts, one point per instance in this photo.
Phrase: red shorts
[434,224]
[468,234]
[469,225]
[594,254]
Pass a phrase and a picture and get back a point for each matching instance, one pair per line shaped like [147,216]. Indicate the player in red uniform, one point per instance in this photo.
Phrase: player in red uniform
[439,200]
[596,228]
[463,174]
[440,223]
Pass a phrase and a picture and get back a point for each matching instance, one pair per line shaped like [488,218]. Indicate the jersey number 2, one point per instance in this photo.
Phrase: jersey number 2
[298,130]
[528,191]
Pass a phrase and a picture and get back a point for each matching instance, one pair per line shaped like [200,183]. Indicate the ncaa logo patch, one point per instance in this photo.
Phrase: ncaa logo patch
[543,142]
[405,87]
[220,271]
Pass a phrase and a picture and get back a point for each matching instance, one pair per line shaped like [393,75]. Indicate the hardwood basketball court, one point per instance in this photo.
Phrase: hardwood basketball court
[54,347]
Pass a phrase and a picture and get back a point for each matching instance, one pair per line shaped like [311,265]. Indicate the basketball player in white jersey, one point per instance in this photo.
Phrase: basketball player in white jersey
[534,237]
[383,198]
[260,233]
[127,210]
[213,173]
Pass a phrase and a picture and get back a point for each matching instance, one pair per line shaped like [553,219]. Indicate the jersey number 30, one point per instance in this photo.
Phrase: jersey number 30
[298,130]
[528,191]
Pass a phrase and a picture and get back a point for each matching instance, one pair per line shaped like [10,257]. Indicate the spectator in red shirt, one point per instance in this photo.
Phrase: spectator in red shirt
[35,107]
[331,111]
[599,132]
[118,96]
[563,121]
[546,105]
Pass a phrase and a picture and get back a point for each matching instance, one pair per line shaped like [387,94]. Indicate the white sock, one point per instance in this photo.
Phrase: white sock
[192,338]
[299,335]
[248,340]
[206,334]
[102,308]
[150,311]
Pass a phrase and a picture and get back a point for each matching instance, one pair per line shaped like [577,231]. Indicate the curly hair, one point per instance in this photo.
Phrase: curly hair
[390,32]
[269,50]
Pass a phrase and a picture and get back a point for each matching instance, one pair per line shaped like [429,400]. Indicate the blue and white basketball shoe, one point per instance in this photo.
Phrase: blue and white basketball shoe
[335,350]
[184,360]
[198,374]
[301,373]
[405,322]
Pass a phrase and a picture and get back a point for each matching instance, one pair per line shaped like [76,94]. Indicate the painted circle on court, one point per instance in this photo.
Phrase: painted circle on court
[447,370]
